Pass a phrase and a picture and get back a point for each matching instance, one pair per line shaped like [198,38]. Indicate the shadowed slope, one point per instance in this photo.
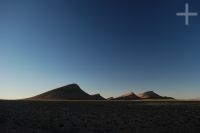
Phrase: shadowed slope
[127,96]
[110,98]
[69,92]
[97,97]
[152,95]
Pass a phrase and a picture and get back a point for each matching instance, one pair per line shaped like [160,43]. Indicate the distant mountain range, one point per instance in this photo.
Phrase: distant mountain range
[140,96]
[69,92]
[152,95]
[127,96]
[74,92]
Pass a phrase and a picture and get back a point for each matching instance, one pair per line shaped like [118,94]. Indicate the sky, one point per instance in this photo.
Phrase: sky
[106,46]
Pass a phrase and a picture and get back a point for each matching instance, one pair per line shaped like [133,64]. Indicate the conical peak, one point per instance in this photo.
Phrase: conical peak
[128,94]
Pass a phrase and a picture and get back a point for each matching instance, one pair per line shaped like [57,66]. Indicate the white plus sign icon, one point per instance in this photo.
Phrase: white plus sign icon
[186,14]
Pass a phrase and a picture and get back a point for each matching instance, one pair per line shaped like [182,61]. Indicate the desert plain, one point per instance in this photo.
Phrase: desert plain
[74,116]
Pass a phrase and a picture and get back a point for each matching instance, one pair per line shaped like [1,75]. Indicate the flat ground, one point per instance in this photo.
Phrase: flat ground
[99,116]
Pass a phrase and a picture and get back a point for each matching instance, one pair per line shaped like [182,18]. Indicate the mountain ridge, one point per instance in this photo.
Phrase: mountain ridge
[127,96]
[68,92]
[152,95]
[74,92]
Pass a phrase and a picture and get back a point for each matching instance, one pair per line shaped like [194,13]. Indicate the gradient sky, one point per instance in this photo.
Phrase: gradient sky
[106,46]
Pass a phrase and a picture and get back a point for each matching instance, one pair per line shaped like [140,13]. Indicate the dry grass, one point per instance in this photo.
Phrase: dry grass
[99,116]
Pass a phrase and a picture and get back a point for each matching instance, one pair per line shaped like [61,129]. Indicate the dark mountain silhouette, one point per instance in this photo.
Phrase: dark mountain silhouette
[152,95]
[127,96]
[69,92]
[141,96]
[110,98]
[74,92]
[166,97]
[97,97]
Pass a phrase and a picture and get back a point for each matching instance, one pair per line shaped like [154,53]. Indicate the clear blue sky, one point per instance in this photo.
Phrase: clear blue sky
[106,46]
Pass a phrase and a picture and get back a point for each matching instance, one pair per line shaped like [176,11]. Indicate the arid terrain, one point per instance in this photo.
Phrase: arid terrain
[99,116]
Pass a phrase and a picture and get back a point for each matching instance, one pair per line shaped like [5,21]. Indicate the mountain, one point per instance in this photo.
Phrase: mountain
[152,95]
[110,98]
[127,96]
[74,92]
[68,92]
[141,96]
[97,97]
